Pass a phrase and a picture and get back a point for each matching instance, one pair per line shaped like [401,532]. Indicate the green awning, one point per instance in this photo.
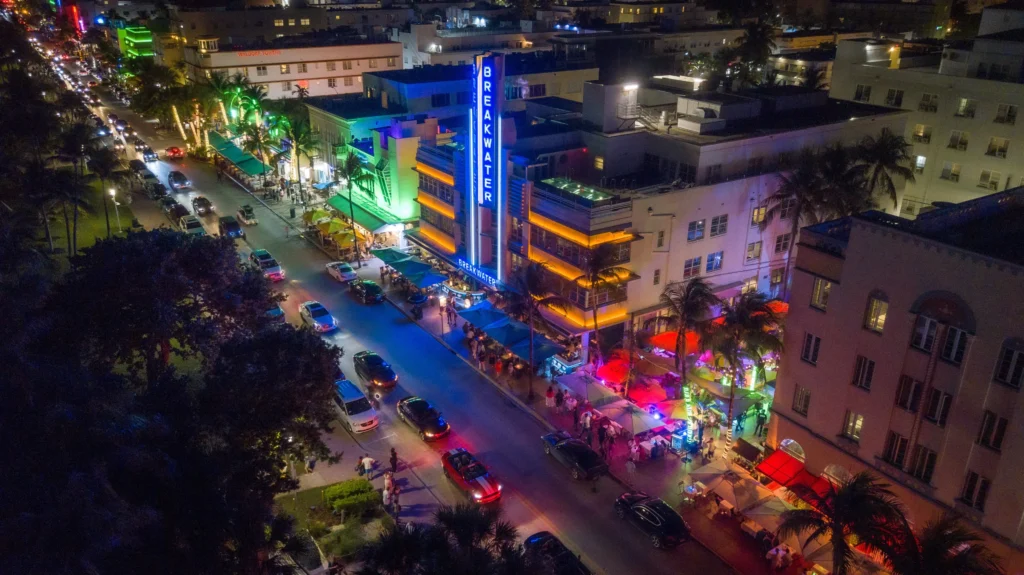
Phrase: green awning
[254,167]
[364,217]
[218,142]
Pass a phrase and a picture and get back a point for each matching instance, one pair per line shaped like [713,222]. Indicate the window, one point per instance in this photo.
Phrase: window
[261,70]
[372,63]
[989,180]
[924,333]
[820,292]
[753,251]
[894,98]
[1009,368]
[661,239]
[1006,114]
[863,93]
[695,231]
[286,68]
[719,225]
[332,82]
[895,449]
[975,490]
[599,162]
[852,425]
[776,278]
[863,372]
[749,286]
[691,267]
[953,348]
[782,242]
[757,216]
[936,407]
[348,80]
[332,66]
[908,394]
[714,262]
[303,68]
[958,140]
[950,171]
[304,21]
[922,134]
[278,23]
[538,90]
[919,164]
[786,209]
[801,400]
[392,62]
[440,100]
[966,107]
[993,429]
[286,86]
[291,21]
[877,310]
[809,352]
[346,65]
[714,173]
[922,463]
[657,276]
[929,103]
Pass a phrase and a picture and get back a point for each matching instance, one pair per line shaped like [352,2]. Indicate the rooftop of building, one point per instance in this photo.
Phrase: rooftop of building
[819,55]
[558,103]
[1005,36]
[579,189]
[354,106]
[319,39]
[991,226]
[515,65]
[527,127]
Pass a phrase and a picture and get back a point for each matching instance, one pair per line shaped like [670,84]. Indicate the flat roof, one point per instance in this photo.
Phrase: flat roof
[558,103]
[807,55]
[568,185]
[321,39]
[354,106]
[1004,36]
[427,74]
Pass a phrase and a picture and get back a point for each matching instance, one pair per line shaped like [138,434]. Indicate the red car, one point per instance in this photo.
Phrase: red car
[470,476]
[175,153]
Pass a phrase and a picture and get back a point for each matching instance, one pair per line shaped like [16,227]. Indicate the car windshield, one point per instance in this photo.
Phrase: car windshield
[420,408]
[375,360]
[372,289]
[673,523]
[268,263]
[193,225]
[358,406]
[474,470]
[318,312]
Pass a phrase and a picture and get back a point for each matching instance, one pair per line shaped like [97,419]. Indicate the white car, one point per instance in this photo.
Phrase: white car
[341,271]
[315,315]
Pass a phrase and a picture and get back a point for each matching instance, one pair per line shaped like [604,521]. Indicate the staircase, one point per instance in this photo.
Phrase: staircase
[384,179]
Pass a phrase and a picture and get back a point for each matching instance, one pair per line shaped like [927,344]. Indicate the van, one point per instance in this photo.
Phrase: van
[354,409]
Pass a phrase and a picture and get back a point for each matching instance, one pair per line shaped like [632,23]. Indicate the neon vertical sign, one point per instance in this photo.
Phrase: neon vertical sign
[487,143]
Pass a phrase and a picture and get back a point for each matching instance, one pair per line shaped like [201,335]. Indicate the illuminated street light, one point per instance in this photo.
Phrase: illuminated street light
[117,213]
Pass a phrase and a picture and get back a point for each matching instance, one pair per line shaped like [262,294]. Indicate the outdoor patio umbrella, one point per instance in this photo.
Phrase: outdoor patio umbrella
[410,267]
[316,215]
[768,513]
[713,472]
[674,409]
[630,417]
[666,340]
[543,348]
[482,314]
[508,333]
[741,491]
[323,185]
[332,227]
[390,255]
[342,239]
[615,371]
[585,386]
[426,279]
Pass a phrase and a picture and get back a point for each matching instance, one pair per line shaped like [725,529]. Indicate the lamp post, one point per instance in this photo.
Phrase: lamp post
[443,300]
[117,213]
[106,212]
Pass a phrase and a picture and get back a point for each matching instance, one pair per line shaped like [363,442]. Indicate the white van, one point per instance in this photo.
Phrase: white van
[354,409]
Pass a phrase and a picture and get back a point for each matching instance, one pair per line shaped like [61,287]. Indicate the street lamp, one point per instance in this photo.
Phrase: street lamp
[106,211]
[443,300]
[117,213]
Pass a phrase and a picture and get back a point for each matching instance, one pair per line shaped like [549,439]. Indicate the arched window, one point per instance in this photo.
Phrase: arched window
[793,448]
[837,473]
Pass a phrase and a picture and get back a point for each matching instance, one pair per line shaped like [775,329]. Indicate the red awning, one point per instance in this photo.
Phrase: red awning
[804,484]
[667,341]
[781,467]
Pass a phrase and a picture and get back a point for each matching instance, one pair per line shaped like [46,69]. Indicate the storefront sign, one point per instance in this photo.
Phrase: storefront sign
[478,273]
[251,53]
[488,144]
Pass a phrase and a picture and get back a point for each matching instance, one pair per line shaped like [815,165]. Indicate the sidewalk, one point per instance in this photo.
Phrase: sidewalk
[659,477]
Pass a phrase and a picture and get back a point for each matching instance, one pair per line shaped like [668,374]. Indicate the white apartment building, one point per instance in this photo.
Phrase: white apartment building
[963,105]
[322,70]
[904,356]
[791,69]
[425,44]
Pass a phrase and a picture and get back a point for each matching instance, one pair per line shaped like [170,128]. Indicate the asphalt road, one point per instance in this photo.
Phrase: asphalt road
[539,494]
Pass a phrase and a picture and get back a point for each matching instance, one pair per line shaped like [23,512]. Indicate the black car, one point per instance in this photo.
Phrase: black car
[149,155]
[654,517]
[229,226]
[422,416]
[550,549]
[201,205]
[176,212]
[582,461]
[156,190]
[167,203]
[178,180]
[137,166]
[366,291]
[374,370]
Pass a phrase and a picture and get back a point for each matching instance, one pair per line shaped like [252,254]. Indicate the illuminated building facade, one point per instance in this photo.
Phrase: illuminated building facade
[135,42]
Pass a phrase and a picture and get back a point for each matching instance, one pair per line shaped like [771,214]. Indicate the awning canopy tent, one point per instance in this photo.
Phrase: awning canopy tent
[390,255]
[368,220]
[323,185]
[253,167]
[615,371]
[630,417]
[666,340]
[543,348]
[411,267]
[482,314]
[332,226]
[508,332]
[584,385]
[232,153]
[314,216]
[426,279]
[768,513]
[781,467]
[343,239]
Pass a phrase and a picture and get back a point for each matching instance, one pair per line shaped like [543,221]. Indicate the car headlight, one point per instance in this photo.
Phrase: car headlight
[477,495]
[500,487]
[428,434]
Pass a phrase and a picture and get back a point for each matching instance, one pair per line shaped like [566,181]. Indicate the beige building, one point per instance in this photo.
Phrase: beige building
[245,26]
[426,44]
[905,356]
[813,39]
[791,69]
[963,100]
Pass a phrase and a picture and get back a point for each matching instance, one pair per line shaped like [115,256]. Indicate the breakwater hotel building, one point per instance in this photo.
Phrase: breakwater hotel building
[675,179]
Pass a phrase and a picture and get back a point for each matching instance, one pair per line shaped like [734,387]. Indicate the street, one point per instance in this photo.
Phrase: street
[539,494]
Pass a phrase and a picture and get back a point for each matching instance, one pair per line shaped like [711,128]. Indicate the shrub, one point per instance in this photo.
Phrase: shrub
[318,529]
[357,505]
[347,489]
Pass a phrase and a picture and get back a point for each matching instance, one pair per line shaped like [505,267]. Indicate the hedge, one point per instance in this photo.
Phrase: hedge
[359,504]
[346,489]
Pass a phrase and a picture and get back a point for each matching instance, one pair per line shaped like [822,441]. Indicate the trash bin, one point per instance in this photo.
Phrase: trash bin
[292,211]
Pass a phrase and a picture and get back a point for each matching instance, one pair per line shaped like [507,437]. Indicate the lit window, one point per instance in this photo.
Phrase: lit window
[291,21]
[809,352]
[820,292]
[757,216]
[691,268]
[599,162]
[392,62]
[278,23]
[877,310]
[753,251]
[989,180]
[853,425]
[695,231]
[286,68]
[304,21]
[714,262]
[919,163]
[373,62]
[777,275]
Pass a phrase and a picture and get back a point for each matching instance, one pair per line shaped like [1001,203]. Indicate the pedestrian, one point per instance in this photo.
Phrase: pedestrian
[394,460]
[491,359]
[630,470]
[549,397]
[497,368]
[389,481]
[360,469]
[386,493]
[588,432]
[287,230]
[383,273]
[602,435]
[559,400]
[480,357]
[761,420]
[472,347]
[368,463]
[586,420]
[395,505]
[575,416]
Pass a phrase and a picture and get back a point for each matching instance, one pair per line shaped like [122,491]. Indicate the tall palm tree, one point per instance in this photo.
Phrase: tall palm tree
[301,92]
[253,101]
[105,164]
[257,142]
[219,84]
[757,43]
[944,547]
[861,507]
[747,324]
[601,270]
[814,78]
[352,173]
[799,196]
[881,159]
[304,143]
[44,193]
[76,143]
[529,289]
[688,304]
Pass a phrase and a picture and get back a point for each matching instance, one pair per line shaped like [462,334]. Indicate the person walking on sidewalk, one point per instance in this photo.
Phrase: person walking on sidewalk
[394,461]
[602,436]
[395,505]
[387,498]
[559,400]
[761,420]
[498,366]
[549,397]
[481,355]
[368,463]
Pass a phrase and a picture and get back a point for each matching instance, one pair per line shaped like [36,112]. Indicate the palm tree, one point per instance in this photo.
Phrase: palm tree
[688,305]
[748,324]
[757,43]
[106,166]
[220,83]
[944,547]
[601,271]
[844,190]
[814,78]
[257,143]
[44,195]
[304,143]
[352,173]
[75,145]
[301,92]
[861,507]
[529,289]
[882,158]
[799,197]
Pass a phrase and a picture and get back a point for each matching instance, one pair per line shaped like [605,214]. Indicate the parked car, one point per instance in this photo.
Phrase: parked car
[148,179]
[421,416]
[276,314]
[654,517]
[174,153]
[564,561]
[374,370]
[354,409]
[176,212]
[229,226]
[470,476]
[366,291]
[583,462]
[315,315]
[156,190]
[166,203]
[341,271]
[178,180]
[137,166]
[263,261]
[191,225]
[202,206]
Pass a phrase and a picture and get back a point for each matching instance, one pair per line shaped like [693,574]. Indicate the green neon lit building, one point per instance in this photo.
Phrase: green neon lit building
[135,42]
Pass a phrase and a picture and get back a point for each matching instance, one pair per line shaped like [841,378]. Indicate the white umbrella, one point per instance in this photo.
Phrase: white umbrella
[768,513]
[741,492]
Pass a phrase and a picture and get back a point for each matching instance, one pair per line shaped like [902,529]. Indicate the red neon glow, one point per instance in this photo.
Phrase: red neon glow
[77,20]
